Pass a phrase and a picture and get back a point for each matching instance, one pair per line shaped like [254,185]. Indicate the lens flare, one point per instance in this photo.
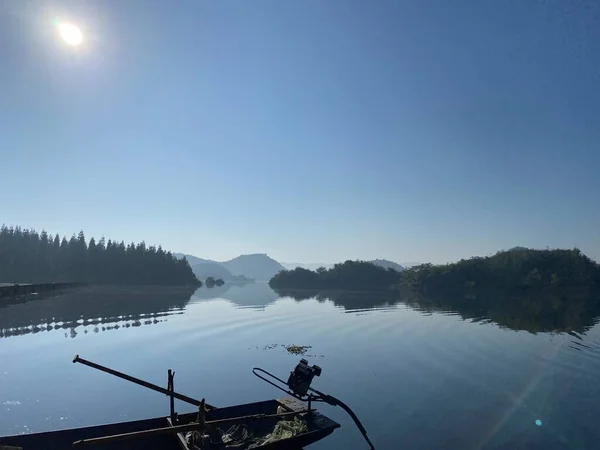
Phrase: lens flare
[70,34]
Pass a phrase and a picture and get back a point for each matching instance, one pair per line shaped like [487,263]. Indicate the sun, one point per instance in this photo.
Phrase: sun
[70,34]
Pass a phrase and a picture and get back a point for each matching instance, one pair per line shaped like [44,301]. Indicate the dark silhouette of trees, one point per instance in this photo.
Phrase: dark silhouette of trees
[351,275]
[521,289]
[27,256]
[507,271]
[211,282]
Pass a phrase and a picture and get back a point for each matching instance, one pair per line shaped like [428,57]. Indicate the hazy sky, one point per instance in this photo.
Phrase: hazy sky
[309,130]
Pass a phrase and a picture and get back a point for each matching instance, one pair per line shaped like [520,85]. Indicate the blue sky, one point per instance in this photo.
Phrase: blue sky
[314,131]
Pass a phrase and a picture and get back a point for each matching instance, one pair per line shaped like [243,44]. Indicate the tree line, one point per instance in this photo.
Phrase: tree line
[27,256]
[504,271]
[350,275]
[521,289]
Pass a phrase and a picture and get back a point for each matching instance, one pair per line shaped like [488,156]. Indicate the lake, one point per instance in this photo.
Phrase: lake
[417,377]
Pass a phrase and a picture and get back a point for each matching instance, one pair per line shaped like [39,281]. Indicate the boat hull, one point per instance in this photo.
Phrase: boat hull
[319,427]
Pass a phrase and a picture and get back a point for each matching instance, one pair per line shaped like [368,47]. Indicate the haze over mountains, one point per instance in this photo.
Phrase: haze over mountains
[257,267]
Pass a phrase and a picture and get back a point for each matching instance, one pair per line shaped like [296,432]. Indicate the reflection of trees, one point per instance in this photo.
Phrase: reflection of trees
[544,310]
[102,307]
[347,299]
[565,310]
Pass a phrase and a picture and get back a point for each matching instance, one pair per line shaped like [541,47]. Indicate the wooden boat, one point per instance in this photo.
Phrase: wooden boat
[142,434]
[268,425]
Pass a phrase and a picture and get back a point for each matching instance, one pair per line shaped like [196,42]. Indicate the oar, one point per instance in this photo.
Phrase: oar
[154,387]
[180,428]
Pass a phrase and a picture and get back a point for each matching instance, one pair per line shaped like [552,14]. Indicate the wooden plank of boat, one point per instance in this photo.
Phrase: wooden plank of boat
[63,439]
[319,427]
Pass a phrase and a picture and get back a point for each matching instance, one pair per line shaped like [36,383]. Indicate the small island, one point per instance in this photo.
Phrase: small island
[211,282]
[350,276]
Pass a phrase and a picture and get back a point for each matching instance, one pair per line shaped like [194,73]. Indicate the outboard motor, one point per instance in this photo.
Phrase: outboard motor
[298,386]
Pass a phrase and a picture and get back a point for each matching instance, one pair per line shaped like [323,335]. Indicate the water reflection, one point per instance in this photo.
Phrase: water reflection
[349,301]
[102,308]
[559,311]
[568,311]
[253,295]
[96,308]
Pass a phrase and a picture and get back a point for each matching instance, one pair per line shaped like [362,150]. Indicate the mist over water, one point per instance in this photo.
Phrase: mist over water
[420,374]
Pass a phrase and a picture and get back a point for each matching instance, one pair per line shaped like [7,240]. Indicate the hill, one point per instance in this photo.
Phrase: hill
[307,266]
[351,275]
[507,271]
[258,266]
[211,269]
[193,260]
[386,264]
[520,289]
[244,268]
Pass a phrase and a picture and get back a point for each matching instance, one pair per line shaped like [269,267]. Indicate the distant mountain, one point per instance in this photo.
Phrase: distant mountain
[211,269]
[193,260]
[258,266]
[307,266]
[204,268]
[408,264]
[388,264]
[517,249]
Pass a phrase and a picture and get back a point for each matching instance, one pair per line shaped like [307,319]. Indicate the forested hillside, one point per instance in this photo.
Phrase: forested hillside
[27,256]
[510,270]
[351,275]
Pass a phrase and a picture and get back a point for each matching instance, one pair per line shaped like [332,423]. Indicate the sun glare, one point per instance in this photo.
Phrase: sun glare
[70,34]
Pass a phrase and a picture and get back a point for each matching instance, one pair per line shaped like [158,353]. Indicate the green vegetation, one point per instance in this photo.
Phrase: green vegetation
[351,275]
[30,257]
[509,271]
[520,289]
[211,282]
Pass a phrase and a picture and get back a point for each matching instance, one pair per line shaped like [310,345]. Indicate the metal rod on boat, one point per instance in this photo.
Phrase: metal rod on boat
[171,388]
[154,387]
[180,428]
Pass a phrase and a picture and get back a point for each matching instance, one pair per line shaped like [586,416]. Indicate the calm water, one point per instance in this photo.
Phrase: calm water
[417,379]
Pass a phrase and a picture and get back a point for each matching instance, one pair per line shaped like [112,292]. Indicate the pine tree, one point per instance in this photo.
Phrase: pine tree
[29,257]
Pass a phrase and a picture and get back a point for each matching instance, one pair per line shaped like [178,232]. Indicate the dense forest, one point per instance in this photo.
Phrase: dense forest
[517,269]
[506,271]
[521,289]
[350,275]
[27,256]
